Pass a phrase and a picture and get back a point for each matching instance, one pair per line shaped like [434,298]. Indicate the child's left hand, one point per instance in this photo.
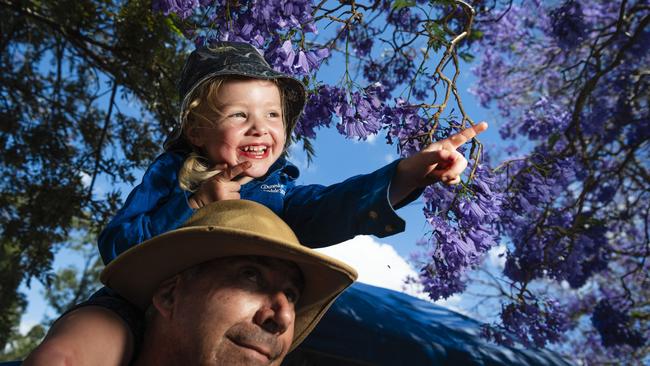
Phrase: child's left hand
[437,162]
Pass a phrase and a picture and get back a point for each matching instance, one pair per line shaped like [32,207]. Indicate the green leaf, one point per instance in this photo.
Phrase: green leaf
[399,4]
[436,35]
[443,2]
[466,56]
[173,27]
[553,139]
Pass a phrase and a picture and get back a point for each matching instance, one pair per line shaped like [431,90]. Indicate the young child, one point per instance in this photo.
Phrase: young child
[237,116]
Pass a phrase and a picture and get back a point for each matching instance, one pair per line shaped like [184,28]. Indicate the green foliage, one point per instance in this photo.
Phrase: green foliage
[21,345]
[12,303]
[399,4]
[466,56]
[436,34]
[69,286]
[64,64]
[443,2]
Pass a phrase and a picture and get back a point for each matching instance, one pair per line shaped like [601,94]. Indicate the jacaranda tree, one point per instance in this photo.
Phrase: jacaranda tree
[570,200]
[570,82]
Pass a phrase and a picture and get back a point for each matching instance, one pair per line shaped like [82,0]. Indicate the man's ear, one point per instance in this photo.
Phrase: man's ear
[165,296]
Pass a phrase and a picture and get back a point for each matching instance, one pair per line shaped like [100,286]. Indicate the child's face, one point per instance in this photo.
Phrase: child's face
[250,126]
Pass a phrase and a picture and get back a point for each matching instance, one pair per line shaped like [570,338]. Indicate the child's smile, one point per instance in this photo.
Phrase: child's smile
[254,151]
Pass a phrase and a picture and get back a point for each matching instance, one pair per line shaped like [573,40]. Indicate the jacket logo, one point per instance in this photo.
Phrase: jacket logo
[273,188]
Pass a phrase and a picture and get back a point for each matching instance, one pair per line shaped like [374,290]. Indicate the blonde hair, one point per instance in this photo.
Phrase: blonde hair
[204,103]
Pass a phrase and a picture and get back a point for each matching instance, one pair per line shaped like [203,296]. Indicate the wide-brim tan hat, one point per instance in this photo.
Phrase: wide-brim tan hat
[226,229]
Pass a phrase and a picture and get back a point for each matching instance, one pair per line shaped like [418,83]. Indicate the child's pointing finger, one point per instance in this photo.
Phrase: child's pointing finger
[467,134]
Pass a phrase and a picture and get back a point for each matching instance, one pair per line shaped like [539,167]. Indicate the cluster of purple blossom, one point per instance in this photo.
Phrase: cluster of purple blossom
[360,113]
[407,128]
[613,323]
[464,228]
[568,25]
[269,25]
[532,323]
[563,78]
[560,244]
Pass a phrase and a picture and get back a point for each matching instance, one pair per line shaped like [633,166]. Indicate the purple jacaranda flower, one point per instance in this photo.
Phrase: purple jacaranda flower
[296,62]
[544,119]
[302,66]
[319,110]
[533,323]
[362,116]
[183,8]
[404,123]
[404,19]
[614,325]
[288,54]
[316,57]
[568,24]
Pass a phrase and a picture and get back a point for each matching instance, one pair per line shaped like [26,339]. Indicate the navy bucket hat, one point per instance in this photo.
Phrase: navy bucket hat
[234,59]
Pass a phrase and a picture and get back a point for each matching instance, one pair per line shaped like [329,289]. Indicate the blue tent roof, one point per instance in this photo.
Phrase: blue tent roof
[369,325]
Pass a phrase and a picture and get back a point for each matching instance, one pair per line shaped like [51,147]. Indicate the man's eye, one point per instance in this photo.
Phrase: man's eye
[251,274]
[292,295]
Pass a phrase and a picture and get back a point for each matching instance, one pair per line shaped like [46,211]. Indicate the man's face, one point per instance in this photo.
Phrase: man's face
[236,311]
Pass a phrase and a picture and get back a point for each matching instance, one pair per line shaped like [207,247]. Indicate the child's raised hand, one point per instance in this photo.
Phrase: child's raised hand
[222,186]
[437,162]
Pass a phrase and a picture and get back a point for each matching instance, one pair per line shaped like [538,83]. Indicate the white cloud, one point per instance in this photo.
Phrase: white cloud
[372,138]
[378,264]
[496,256]
[85,179]
[455,303]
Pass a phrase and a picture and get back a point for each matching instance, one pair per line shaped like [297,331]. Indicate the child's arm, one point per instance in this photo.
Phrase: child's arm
[153,207]
[158,204]
[438,162]
[327,215]
[366,204]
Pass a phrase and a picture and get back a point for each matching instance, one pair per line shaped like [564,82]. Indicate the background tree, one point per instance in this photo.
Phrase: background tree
[68,286]
[63,66]
[572,81]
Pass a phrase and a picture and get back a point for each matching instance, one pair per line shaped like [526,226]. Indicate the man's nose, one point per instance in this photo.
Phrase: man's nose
[276,314]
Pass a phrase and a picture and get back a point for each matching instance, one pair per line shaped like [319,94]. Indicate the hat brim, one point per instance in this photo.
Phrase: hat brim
[136,273]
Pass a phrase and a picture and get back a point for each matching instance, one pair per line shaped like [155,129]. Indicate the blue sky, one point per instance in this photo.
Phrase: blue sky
[338,158]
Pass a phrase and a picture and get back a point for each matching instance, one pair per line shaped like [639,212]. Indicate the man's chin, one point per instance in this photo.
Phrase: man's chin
[237,355]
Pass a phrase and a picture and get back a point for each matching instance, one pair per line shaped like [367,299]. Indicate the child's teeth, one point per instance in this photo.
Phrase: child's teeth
[254,148]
